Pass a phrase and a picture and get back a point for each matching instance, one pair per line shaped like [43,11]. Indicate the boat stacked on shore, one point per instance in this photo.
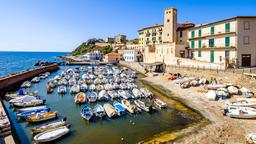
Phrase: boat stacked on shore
[30,108]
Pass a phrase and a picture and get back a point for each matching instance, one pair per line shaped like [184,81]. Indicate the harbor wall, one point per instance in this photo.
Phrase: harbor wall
[12,81]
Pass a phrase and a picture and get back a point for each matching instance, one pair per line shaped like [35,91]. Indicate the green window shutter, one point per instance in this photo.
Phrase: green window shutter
[200,43]
[212,30]
[200,33]
[211,42]
[199,54]
[227,27]
[212,56]
[227,41]
[192,44]
[193,34]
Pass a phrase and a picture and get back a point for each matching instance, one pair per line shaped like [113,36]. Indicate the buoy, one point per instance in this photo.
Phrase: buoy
[133,123]
[122,139]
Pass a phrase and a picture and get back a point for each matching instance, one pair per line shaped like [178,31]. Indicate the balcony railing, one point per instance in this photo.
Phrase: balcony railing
[214,48]
[209,35]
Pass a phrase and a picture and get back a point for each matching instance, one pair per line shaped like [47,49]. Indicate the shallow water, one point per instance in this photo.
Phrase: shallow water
[133,128]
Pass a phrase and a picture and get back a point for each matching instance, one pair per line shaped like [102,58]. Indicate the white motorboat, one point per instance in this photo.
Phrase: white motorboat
[75,89]
[240,112]
[113,94]
[146,92]
[124,94]
[23,98]
[110,110]
[26,84]
[141,105]
[51,135]
[29,103]
[35,80]
[32,108]
[99,111]
[103,95]
[62,89]
[137,93]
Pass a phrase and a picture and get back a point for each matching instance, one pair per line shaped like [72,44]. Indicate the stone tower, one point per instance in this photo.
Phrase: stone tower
[170,25]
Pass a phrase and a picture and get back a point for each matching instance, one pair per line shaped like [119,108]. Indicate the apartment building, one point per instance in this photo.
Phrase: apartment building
[230,41]
[131,55]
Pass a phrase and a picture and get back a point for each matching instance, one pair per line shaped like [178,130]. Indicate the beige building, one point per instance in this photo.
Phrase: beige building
[164,42]
[231,41]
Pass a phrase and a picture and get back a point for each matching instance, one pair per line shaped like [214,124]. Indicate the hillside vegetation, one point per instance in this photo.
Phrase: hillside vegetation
[90,46]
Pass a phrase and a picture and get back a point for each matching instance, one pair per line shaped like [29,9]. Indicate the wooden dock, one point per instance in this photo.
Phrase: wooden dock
[10,82]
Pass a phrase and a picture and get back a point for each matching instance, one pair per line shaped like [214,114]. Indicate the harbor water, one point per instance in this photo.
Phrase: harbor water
[126,129]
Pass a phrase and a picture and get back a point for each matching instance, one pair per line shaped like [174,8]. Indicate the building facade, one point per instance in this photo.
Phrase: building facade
[131,55]
[230,41]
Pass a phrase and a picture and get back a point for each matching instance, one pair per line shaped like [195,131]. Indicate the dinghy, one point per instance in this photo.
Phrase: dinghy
[103,95]
[21,99]
[62,89]
[128,106]
[119,107]
[75,89]
[99,111]
[86,113]
[124,94]
[222,93]
[48,126]
[51,135]
[41,117]
[31,108]
[159,103]
[80,98]
[29,103]
[113,94]
[92,96]
[141,105]
[29,113]
[26,84]
[110,110]
[240,112]
[35,80]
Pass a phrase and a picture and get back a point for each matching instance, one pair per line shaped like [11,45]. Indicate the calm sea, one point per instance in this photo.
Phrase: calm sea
[11,62]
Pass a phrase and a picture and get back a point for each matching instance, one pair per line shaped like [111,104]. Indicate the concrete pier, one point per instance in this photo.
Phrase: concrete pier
[12,81]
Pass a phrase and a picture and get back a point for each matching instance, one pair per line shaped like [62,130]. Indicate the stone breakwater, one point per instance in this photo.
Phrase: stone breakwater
[11,81]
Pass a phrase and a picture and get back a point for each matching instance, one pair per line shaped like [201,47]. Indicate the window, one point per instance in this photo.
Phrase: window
[168,20]
[227,41]
[200,44]
[192,44]
[227,27]
[192,34]
[246,25]
[246,40]
[199,54]
[200,33]
[180,33]
[227,53]
[212,56]
[211,42]
[212,30]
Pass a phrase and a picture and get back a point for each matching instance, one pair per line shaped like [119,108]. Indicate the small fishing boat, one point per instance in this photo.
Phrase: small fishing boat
[80,98]
[113,94]
[99,111]
[159,103]
[49,89]
[32,108]
[128,106]
[222,93]
[51,135]
[83,87]
[92,87]
[29,113]
[86,113]
[141,105]
[146,93]
[119,107]
[243,102]
[240,112]
[92,96]
[124,94]
[103,95]
[137,93]
[35,80]
[26,84]
[41,117]
[75,89]
[22,98]
[99,87]
[48,126]
[110,110]
[29,103]
[62,89]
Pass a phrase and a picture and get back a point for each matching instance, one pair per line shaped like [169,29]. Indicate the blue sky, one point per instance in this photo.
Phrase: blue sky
[61,25]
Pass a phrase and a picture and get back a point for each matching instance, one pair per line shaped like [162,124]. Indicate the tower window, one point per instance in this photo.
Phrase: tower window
[168,20]
[180,33]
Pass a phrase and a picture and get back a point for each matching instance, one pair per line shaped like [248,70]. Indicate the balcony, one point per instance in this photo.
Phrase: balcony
[215,35]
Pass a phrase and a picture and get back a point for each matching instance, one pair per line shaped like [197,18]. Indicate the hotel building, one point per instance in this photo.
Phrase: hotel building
[229,41]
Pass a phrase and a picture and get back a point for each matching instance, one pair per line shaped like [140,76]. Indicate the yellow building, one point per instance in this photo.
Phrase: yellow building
[231,40]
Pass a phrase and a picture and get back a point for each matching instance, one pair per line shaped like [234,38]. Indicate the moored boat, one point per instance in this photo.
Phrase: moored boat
[26,84]
[86,113]
[48,126]
[31,108]
[103,95]
[128,106]
[119,107]
[62,89]
[80,98]
[124,94]
[41,117]
[92,96]
[35,80]
[99,111]
[110,110]
[75,89]
[113,94]
[141,105]
[51,135]
[29,113]
[240,112]
[159,103]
